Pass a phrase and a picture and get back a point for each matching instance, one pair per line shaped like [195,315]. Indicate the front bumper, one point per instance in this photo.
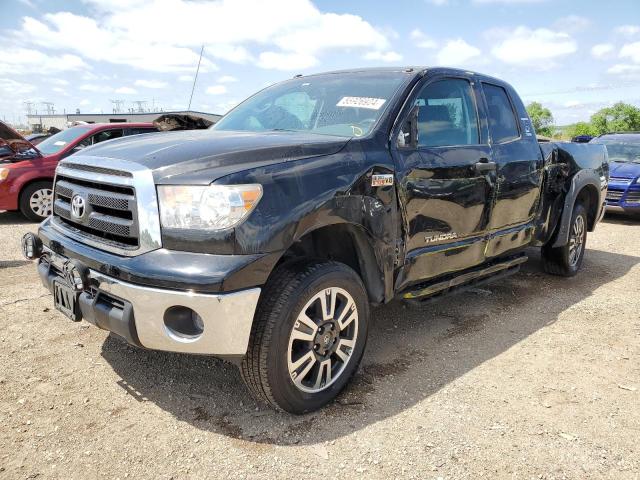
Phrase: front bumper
[138,313]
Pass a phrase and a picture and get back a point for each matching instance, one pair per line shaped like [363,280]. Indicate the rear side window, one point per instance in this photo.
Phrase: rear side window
[502,121]
[447,114]
[107,135]
[138,131]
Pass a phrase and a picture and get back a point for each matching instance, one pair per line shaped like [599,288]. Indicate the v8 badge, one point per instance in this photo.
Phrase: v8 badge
[384,180]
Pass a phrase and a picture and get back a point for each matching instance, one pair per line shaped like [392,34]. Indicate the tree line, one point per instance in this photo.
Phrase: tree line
[621,117]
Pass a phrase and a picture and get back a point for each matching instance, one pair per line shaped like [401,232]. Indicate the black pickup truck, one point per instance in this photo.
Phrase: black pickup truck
[265,239]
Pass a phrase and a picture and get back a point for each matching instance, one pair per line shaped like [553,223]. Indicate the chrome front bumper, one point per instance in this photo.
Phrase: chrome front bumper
[227,318]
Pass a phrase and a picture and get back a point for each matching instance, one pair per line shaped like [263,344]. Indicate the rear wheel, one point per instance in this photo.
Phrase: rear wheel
[308,336]
[567,260]
[36,201]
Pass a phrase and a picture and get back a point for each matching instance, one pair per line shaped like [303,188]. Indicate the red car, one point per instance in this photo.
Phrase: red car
[27,171]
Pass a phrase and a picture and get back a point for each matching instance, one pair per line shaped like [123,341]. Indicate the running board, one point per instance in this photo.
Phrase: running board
[469,279]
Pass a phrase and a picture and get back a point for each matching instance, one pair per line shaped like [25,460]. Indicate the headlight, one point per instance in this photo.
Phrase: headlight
[213,207]
[4,173]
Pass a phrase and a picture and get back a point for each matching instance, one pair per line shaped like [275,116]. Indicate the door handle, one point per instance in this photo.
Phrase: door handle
[484,165]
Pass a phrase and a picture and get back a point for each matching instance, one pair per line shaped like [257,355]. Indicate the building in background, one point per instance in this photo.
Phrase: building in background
[42,123]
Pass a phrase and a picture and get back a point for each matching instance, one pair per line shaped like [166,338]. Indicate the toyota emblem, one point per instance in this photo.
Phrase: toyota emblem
[77,206]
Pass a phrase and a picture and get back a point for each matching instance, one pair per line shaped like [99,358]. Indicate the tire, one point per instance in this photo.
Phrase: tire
[36,201]
[566,261]
[279,341]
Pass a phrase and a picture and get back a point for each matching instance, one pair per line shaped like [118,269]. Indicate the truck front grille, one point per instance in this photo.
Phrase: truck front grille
[620,180]
[108,212]
[633,196]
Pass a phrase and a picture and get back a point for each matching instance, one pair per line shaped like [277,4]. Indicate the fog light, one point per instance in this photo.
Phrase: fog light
[76,275]
[31,246]
[183,324]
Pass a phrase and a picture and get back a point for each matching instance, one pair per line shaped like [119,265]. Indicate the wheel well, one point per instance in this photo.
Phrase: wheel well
[588,197]
[344,243]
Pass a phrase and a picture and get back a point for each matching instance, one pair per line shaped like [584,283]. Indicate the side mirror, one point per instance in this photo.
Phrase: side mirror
[408,136]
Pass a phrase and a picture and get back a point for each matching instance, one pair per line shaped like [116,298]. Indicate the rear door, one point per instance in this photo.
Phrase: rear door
[519,165]
[445,195]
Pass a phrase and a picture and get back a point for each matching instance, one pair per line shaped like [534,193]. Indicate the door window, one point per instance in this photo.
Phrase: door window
[106,135]
[447,114]
[502,121]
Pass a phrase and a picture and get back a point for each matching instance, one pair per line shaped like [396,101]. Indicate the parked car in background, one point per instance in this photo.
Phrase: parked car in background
[27,170]
[624,182]
[36,138]
[582,139]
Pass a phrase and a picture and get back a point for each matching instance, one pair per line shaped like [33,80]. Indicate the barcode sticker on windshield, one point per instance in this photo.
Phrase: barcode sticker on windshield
[361,102]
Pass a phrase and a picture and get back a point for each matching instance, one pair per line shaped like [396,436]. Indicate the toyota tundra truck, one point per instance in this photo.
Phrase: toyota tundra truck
[266,239]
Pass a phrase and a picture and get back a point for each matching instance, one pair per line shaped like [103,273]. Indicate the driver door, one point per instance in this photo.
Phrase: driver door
[446,182]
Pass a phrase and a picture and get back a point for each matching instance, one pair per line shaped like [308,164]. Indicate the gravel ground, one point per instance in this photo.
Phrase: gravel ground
[531,377]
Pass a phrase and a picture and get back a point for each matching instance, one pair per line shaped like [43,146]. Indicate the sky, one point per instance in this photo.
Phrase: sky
[573,56]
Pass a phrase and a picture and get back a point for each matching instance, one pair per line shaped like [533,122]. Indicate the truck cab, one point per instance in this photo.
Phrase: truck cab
[267,239]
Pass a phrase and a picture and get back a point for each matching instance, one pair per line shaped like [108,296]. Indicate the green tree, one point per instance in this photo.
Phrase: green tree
[622,117]
[541,118]
[581,128]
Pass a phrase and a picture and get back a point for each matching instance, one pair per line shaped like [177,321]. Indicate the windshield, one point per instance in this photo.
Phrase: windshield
[621,151]
[60,140]
[347,105]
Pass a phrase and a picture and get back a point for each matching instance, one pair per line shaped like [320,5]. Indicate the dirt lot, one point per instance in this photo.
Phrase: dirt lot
[531,377]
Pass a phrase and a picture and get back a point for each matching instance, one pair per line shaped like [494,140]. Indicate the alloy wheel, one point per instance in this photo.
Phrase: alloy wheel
[576,240]
[322,340]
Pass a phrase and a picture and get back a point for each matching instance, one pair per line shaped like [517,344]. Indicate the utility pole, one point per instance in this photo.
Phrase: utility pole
[28,106]
[50,107]
[141,104]
[117,105]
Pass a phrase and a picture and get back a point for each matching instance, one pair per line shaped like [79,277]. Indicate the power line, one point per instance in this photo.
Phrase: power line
[195,78]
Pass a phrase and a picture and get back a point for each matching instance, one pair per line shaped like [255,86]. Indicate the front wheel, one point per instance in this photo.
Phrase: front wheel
[567,260]
[36,201]
[308,336]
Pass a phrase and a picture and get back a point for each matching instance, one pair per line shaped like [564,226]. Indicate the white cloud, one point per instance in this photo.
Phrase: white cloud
[216,90]
[422,40]
[185,78]
[632,51]
[456,53]
[227,79]
[11,87]
[509,2]
[438,3]
[58,81]
[134,33]
[383,56]
[536,48]
[126,91]
[20,61]
[92,87]
[628,30]
[625,70]
[230,53]
[150,83]
[286,61]
[601,50]
[84,102]
[572,23]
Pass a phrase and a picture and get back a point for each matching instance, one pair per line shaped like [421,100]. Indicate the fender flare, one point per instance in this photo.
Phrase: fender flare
[580,180]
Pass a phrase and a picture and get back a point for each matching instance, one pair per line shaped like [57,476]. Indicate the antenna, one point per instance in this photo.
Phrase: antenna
[195,78]
[117,105]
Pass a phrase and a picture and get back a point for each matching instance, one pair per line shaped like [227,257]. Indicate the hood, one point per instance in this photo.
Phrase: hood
[13,146]
[201,156]
[624,169]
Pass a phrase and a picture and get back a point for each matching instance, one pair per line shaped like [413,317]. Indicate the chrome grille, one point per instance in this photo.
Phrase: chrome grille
[621,180]
[633,196]
[109,213]
[614,195]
